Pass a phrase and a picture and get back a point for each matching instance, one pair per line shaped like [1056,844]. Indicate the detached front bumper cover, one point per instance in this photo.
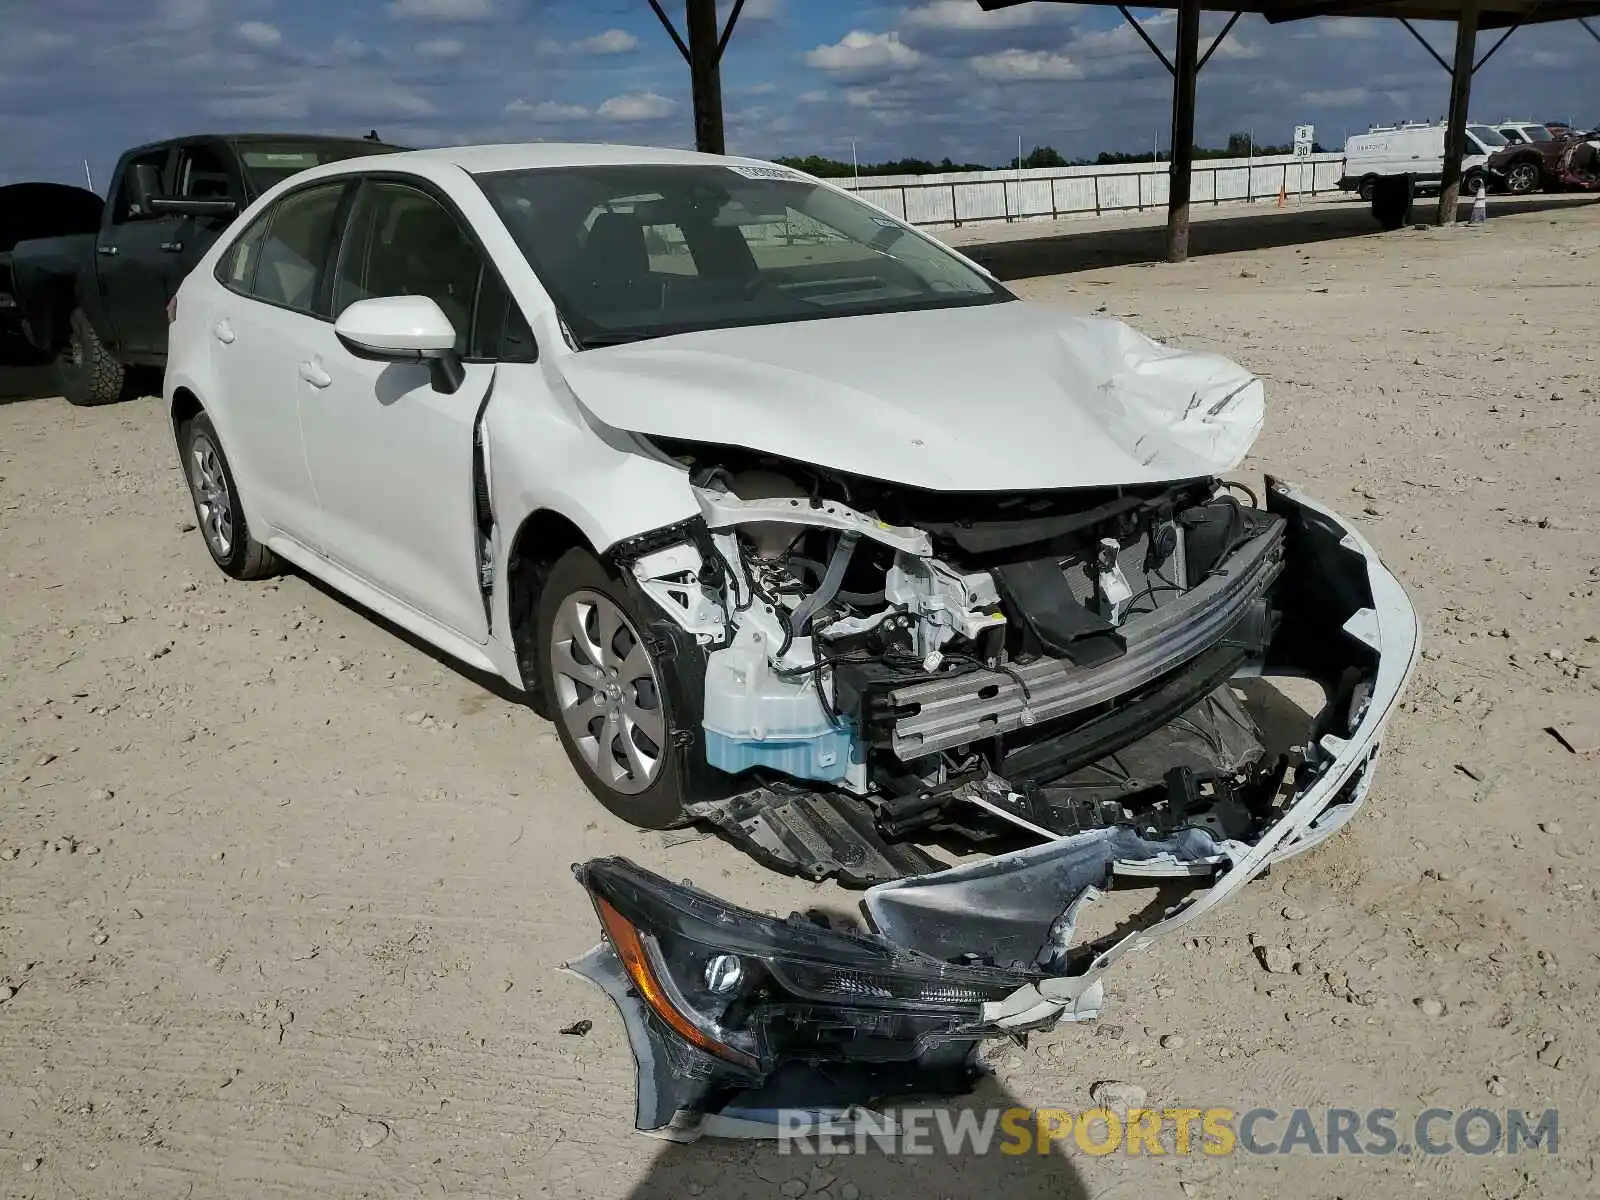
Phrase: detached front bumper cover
[736,1014]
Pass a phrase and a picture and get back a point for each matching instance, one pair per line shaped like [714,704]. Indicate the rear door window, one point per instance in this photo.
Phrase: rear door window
[296,247]
[236,269]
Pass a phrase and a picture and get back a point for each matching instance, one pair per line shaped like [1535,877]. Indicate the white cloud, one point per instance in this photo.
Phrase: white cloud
[546,110]
[260,34]
[819,97]
[636,106]
[30,45]
[1337,97]
[441,10]
[183,14]
[1237,49]
[1014,66]
[262,105]
[610,41]
[393,100]
[441,48]
[966,15]
[1342,27]
[760,10]
[861,51]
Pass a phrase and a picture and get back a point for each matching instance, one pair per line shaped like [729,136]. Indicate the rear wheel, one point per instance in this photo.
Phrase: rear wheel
[216,504]
[613,709]
[1364,189]
[86,371]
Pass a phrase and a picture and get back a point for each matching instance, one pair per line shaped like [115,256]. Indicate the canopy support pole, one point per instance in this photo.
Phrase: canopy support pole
[703,52]
[1455,135]
[1186,70]
[1185,74]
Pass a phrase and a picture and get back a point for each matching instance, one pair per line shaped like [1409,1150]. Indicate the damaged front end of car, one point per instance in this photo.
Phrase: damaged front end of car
[988,710]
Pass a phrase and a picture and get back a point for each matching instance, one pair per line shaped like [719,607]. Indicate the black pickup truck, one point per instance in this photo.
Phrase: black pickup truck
[85,283]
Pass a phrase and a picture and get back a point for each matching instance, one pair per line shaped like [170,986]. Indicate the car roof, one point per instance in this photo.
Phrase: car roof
[316,139]
[520,156]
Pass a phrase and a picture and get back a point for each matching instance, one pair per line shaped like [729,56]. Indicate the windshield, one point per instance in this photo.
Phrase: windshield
[268,163]
[633,252]
[1538,133]
[1489,139]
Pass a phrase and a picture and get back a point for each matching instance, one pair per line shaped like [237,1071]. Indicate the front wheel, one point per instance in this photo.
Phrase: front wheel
[613,706]
[86,371]
[1523,179]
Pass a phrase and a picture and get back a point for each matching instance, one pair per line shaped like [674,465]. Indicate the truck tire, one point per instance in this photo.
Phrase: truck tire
[1364,188]
[85,369]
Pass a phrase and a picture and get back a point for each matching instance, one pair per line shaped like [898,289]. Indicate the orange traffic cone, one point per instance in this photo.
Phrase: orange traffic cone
[1283,195]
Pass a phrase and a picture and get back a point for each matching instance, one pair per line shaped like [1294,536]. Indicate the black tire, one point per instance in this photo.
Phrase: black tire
[656,800]
[204,465]
[1364,188]
[85,369]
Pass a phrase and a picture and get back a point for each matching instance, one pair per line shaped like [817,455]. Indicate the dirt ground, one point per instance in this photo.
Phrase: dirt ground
[283,898]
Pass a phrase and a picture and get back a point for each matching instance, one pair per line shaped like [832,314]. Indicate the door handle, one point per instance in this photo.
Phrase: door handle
[315,375]
[223,332]
[172,247]
[108,251]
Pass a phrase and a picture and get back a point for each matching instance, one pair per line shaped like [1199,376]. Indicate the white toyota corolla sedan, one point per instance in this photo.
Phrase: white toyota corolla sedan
[797,524]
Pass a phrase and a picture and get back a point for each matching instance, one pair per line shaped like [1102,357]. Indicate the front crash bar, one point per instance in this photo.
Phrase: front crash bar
[1389,626]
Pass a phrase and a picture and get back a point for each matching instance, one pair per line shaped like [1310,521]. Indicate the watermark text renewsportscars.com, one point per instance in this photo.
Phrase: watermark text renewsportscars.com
[1176,1131]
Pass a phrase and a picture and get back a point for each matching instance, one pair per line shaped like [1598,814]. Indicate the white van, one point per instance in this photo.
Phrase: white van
[1415,149]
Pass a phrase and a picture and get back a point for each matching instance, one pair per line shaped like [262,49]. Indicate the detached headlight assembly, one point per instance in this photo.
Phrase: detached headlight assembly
[751,991]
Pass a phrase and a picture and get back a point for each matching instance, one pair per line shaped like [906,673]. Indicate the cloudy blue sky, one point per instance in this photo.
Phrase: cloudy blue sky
[85,78]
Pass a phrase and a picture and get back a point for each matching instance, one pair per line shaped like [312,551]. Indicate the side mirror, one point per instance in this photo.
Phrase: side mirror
[403,329]
[144,183]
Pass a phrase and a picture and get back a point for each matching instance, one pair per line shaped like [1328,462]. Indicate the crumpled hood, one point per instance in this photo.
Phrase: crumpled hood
[1009,396]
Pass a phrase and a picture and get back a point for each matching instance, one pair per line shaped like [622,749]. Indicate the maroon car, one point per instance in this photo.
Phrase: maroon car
[1532,158]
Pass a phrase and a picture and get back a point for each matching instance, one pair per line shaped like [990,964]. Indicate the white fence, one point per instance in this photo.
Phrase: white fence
[1049,193]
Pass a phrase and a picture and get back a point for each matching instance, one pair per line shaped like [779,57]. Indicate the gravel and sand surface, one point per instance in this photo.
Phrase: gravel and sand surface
[283,897]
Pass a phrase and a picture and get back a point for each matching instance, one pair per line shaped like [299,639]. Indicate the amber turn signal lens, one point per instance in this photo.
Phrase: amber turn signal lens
[630,948]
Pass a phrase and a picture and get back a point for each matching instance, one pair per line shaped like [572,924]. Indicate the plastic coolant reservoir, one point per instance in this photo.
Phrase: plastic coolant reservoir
[754,718]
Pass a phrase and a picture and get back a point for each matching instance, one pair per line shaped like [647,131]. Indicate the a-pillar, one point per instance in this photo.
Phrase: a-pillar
[1185,72]
[1455,136]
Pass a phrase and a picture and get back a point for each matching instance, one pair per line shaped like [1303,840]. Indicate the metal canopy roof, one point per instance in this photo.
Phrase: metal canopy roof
[1492,14]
